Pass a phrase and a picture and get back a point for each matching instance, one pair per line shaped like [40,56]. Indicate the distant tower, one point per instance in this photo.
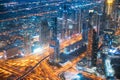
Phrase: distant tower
[54,43]
[109,6]
[109,71]
[94,48]
[91,38]
[108,13]
[117,12]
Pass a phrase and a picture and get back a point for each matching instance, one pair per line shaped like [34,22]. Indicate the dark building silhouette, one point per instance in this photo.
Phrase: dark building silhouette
[94,48]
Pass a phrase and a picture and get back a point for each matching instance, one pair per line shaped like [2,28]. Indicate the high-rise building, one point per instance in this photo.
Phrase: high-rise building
[94,48]
[109,6]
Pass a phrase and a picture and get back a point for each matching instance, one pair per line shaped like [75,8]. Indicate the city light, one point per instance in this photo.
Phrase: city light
[57,39]
[37,50]
[112,50]
[111,71]
[70,26]
[77,77]
[91,11]
[110,1]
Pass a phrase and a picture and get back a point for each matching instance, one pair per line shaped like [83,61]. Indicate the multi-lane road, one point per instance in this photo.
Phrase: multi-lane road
[30,67]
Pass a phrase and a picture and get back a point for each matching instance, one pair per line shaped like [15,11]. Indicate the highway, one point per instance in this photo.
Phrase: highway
[19,66]
[31,68]
[53,72]
[34,66]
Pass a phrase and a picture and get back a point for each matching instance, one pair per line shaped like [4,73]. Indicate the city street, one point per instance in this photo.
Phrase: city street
[19,66]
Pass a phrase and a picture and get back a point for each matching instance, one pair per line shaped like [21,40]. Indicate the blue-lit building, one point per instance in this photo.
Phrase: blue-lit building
[21,21]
